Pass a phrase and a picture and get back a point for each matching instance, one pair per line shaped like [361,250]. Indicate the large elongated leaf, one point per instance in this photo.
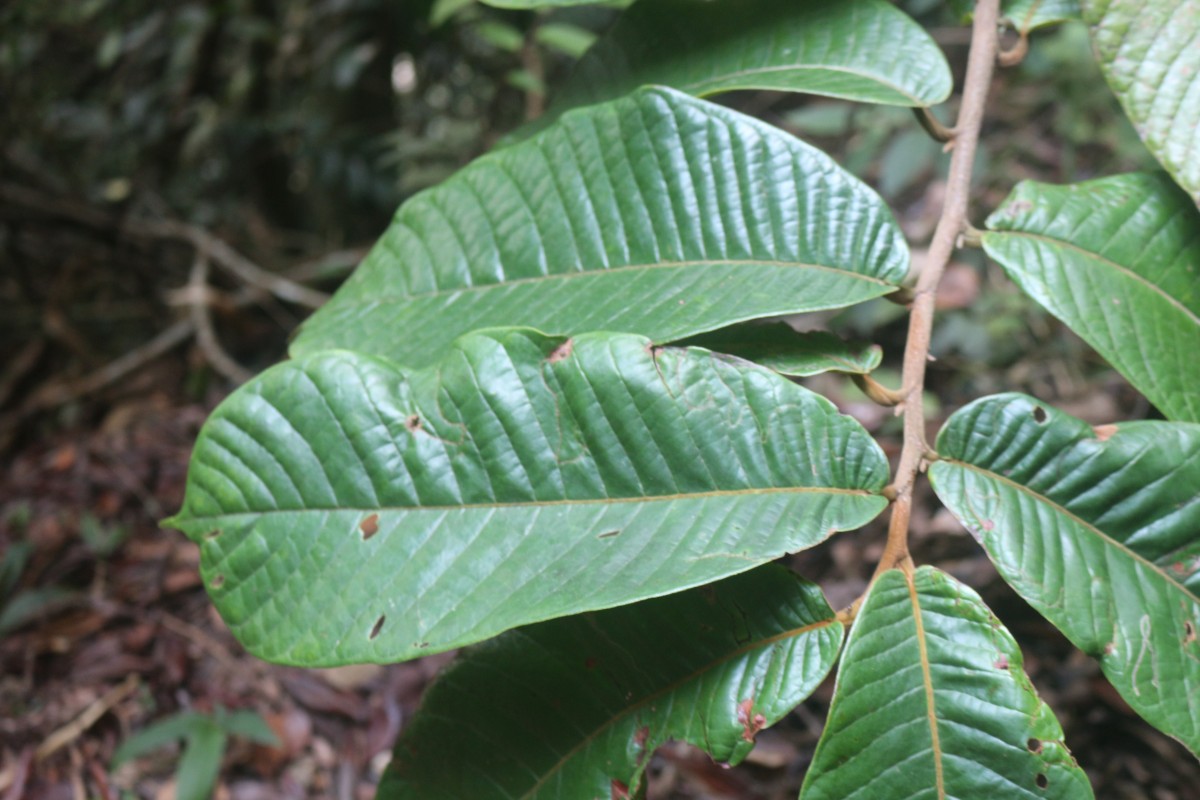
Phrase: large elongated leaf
[1118,261]
[932,702]
[1098,530]
[348,510]
[1149,51]
[574,707]
[656,214]
[866,50]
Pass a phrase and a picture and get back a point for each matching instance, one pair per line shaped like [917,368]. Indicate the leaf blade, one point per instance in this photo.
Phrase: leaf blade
[1097,532]
[523,478]
[1149,52]
[864,51]
[595,695]
[1116,260]
[792,353]
[706,216]
[931,701]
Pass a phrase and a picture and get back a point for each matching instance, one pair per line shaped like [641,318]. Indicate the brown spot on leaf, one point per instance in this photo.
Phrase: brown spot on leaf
[1104,432]
[413,423]
[1034,745]
[1189,632]
[988,525]
[620,791]
[212,534]
[377,627]
[561,352]
[369,526]
[218,581]
[751,725]
[1001,662]
[608,534]
[1179,568]
[641,736]
[1110,648]
[1039,414]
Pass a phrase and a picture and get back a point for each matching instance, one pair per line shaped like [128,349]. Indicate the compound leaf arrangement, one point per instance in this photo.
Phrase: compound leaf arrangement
[549,420]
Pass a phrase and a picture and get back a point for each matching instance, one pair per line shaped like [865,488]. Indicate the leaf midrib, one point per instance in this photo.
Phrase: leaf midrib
[1120,268]
[542,503]
[927,681]
[1104,537]
[671,687]
[592,273]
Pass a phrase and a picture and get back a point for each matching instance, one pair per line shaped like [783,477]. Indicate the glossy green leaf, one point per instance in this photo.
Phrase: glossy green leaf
[655,214]
[1118,261]
[574,707]
[348,510]
[866,50]
[932,702]
[1149,51]
[1099,530]
[780,348]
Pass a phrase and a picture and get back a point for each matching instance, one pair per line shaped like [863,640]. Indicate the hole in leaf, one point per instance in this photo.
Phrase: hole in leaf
[1039,414]
[1041,780]
[218,581]
[413,423]
[369,526]
[1189,632]
[1034,745]
[377,627]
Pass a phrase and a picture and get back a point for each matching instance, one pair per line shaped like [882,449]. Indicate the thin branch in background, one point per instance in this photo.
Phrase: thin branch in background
[231,260]
[980,66]
[198,309]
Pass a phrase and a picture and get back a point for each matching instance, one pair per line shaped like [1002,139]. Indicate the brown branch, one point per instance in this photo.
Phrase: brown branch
[225,256]
[206,337]
[980,64]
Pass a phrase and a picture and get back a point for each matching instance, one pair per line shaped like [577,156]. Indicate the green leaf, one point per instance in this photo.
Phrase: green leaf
[932,701]
[1118,261]
[1025,15]
[531,4]
[656,214]
[867,51]
[247,725]
[501,35]
[573,708]
[1029,15]
[444,10]
[159,734]
[570,40]
[1149,51]
[201,762]
[350,511]
[1099,530]
[794,354]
